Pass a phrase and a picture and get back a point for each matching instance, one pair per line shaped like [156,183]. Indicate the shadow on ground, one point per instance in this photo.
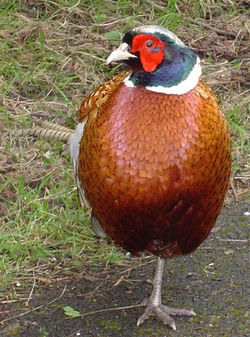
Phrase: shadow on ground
[212,281]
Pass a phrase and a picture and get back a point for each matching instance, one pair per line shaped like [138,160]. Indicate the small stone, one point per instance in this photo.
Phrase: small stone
[229,251]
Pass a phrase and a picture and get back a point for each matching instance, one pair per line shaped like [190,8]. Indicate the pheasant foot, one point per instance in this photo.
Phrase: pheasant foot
[154,306]
[162,313]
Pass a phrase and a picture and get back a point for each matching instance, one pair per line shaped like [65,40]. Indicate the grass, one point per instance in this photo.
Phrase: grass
[52,54]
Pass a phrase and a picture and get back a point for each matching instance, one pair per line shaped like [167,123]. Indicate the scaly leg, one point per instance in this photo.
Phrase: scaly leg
[154,306]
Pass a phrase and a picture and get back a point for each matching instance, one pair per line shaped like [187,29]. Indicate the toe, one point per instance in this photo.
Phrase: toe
[180,312]
[143,317]
[163,314]
[164,317]
[159,313]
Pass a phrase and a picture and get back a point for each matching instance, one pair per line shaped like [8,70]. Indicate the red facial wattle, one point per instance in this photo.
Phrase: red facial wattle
[151,50]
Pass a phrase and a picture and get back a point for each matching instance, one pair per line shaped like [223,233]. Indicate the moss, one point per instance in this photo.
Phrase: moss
[236,311]
[152,331]
[145,329]
[110,324]
[12,330]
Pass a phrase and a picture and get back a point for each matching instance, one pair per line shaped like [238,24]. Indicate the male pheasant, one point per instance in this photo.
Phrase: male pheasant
[151,154]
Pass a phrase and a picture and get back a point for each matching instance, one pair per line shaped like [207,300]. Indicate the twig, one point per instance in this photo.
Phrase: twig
[108,23]
[161,8]
[75,333]
[9,301]
[34,309]
[243,192]
[138,266]
[217,30]
[82,42]
[198,23]
[111,309]
[119,281]
[32,289]
[233,188]
[233,240]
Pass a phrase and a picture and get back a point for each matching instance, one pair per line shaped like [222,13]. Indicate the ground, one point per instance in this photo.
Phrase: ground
[56,277]
[212,281]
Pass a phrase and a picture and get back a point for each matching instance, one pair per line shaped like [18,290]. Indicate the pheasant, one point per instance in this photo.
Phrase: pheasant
[152,154]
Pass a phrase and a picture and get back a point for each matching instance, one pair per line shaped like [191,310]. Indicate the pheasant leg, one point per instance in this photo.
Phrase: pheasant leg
[154,306]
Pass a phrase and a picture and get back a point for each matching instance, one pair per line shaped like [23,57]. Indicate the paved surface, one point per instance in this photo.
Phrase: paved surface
[212,281]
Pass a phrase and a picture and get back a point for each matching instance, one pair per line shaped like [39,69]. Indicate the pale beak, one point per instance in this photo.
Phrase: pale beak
[120,54]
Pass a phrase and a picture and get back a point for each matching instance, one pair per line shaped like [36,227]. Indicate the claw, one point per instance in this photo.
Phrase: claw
[172,325]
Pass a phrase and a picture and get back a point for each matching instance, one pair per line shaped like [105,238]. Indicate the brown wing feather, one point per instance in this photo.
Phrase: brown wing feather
[91,105]
[100,95]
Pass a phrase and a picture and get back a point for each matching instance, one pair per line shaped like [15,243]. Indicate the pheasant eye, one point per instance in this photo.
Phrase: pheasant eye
[149,44]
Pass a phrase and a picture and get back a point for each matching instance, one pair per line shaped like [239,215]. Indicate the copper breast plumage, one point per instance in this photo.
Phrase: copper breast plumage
[154,167]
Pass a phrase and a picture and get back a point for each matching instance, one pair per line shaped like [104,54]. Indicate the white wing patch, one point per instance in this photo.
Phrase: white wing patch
[74,148]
